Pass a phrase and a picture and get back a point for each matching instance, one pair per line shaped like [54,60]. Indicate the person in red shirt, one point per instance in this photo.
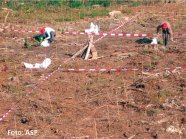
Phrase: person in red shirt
[167,33]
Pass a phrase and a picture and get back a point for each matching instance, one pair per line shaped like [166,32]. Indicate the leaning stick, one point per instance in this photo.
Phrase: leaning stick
[6,16]
[9,10]
[88,52]
[76,54]
[89,47]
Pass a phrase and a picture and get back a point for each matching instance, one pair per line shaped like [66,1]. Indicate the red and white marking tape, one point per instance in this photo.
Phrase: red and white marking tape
[84,33]
[25,31]
[110,69]
[18,38]
[43,78]
[109,34]
[6,114]
[46,77]
[98,70]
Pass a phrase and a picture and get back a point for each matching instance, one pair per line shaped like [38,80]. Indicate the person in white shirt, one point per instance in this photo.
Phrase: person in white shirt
[48,34]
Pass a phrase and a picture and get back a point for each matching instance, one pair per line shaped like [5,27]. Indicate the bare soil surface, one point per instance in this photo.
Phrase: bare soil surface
[82,105]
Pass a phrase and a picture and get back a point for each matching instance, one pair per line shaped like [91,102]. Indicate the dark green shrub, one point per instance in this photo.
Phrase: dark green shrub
[121,1]
[104,3]
[75,4]
[135,3]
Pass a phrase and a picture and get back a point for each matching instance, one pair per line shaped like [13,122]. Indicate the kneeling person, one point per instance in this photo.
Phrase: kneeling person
[45,37]
[48,33]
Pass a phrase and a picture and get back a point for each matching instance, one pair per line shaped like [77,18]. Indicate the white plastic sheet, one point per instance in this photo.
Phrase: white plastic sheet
[44,64]
[93,29]
[154,41]
[45,43]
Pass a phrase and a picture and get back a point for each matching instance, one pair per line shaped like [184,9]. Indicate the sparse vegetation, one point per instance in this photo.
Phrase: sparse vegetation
[163,95]
[142,101]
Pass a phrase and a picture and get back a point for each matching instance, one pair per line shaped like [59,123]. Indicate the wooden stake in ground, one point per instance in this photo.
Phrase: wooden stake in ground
[92,43]
[77,53]
[86,50]
[91,48]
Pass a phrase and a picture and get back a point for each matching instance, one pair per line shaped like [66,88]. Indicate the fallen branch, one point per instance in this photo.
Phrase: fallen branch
[124,55]
[6,16]
[132,136]
[86,45]
[9,10]
[76,54]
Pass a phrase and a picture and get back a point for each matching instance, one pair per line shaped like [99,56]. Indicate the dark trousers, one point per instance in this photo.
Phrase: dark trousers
[52,35]
[41,37]
[166,37]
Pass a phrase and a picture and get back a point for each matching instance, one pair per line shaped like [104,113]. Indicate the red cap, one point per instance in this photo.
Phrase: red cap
[42,31]
[164,26]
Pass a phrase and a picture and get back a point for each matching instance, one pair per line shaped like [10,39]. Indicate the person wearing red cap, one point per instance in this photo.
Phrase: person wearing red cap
[167,33]
[45,34]
[48,34]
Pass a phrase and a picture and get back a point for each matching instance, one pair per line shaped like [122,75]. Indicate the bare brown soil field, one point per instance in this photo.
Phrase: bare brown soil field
[88,105]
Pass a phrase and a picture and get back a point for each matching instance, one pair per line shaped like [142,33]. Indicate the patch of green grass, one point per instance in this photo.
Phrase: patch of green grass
[37,74]
[15,89]
[97,83]
[160,96]
[27,44]
[33,94]
[147,65]
[93,13]
[146,50]
[178,25]
[150,112]
[45,19]
[74,4]
[135,3]
[60,19]
[126,11]
[163,95]
[98,13]
[82,15]
[155,60]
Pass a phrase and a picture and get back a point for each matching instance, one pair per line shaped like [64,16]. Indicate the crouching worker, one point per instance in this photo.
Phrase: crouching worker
[167,33]
[45,37]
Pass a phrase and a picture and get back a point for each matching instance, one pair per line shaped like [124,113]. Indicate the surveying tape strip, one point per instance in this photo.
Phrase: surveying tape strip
[109,69]
[18,38]
[108,34]
[25,31]
[46,77]
[21,30]
[30,92]
[98,70]
[6,114]
[84,33]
